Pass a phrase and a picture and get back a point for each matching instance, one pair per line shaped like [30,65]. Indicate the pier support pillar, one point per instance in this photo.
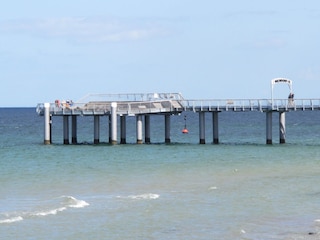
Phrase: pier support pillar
[147,129]
[109,128]
[96,129]
[47,124]
[65,129]
[269,127]
[123,129]
[167,128]
[215,127]
[282,127]
[202,127]
[113,123]
[74,129]
[139,129]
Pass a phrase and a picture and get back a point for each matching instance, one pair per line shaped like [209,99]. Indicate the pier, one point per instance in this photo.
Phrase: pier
[118,107]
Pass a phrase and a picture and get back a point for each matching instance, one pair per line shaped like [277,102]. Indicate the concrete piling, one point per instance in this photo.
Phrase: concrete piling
[96,129]
[74,129]
[139,129]
[282,127]
[202,127]
[167,122]
[123,129]
[109,128]
[113,131]
[47,124]
[269,127]
[65,129]
[147,129]
[215,127]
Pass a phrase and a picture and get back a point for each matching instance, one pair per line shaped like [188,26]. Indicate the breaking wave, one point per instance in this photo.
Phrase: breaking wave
[145,196]
[75,203]
[11,220]
[48,212]
[55,207]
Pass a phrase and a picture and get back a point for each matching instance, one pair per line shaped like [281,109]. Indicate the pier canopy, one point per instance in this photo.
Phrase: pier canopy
[127,104]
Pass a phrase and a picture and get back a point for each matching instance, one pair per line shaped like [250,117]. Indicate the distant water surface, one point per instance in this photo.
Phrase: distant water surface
[239,189]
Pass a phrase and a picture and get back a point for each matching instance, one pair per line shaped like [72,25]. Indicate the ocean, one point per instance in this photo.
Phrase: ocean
[240,188]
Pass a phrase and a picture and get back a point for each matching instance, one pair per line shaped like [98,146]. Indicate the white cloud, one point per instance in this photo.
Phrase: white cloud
[85,29]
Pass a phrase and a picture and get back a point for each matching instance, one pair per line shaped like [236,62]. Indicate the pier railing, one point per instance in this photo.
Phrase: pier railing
[130,97]
[176,104]
[251,104]
[226,104]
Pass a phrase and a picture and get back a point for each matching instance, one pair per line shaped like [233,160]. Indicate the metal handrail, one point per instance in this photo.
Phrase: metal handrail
[250,104]
[135,107]
[131,97]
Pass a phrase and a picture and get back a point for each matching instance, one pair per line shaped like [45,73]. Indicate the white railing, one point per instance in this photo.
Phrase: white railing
[226,104]
[163,105]
[250,104]
[131,97]
[301,104]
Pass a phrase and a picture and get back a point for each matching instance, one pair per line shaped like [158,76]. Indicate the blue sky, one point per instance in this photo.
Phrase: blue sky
[203,49]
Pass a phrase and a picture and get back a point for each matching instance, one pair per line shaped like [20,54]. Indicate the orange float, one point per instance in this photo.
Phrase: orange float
[185,130]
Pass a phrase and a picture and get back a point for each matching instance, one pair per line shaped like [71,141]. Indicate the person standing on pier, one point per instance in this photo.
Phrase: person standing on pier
[290,99]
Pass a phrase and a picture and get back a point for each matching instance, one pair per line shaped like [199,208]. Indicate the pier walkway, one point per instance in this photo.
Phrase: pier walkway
[143,105]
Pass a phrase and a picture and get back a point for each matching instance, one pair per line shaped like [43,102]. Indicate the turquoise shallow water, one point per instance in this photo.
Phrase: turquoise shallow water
[239,189]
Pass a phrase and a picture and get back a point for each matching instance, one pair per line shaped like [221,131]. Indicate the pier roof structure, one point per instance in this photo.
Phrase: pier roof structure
[127,104]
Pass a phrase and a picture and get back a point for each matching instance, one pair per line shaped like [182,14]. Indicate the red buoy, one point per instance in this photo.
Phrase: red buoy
[184,131]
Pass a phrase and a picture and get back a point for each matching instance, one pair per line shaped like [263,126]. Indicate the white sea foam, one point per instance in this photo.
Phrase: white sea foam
[75,203]
[212,188]
[68,202]
[49,212]
[11,220]
[144,196]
